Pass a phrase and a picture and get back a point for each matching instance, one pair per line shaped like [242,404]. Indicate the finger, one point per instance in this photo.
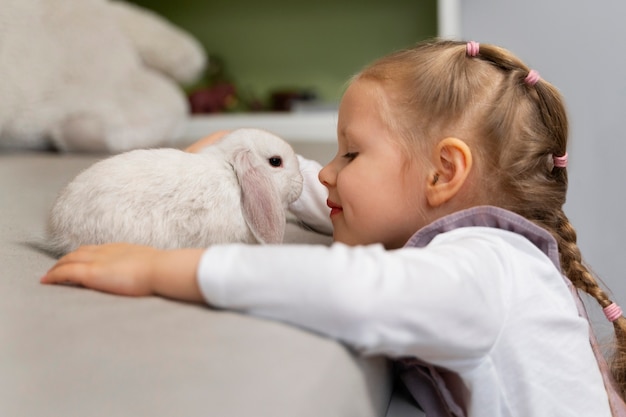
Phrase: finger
[96,278]
[75,273]
[82,254]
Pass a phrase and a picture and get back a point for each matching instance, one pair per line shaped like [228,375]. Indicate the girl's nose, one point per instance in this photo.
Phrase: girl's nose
[327,175]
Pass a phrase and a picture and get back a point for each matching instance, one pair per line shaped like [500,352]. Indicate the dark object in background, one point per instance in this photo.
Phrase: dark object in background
[282,100]
[219,93]
[214,99]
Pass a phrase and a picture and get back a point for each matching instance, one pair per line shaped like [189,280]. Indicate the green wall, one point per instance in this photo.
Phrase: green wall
[316,45]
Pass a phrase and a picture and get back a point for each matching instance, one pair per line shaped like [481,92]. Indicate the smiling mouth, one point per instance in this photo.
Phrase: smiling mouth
[334,208]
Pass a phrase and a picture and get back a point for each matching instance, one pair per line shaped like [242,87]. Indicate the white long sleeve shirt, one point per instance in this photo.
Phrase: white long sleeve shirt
[483,302]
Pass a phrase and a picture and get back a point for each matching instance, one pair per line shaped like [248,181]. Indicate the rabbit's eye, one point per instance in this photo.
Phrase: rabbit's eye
[276,161]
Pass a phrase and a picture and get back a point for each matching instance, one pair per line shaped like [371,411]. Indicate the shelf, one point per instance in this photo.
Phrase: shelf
[316,127]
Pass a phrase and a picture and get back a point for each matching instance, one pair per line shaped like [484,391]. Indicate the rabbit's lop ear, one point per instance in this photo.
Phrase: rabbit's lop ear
[261,202]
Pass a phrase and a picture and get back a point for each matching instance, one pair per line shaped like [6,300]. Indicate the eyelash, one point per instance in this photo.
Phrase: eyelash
[350,155]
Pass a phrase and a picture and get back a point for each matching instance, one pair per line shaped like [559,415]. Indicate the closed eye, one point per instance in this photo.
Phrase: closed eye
[350,155]
[276,161]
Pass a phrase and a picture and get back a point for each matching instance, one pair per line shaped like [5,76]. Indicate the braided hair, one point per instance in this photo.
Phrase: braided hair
[516,125]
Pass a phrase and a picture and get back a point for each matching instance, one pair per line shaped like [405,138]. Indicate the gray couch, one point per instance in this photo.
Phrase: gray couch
[67,351]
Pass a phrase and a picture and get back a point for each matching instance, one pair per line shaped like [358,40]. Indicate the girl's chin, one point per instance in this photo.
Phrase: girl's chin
[339,238]
[347,239]
[354,241]
[343,234]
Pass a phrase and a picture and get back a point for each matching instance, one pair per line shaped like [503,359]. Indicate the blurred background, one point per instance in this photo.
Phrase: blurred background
[275,51]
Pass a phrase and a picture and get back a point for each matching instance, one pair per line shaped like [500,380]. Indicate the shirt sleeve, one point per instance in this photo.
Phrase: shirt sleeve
[407,302]
[310,208]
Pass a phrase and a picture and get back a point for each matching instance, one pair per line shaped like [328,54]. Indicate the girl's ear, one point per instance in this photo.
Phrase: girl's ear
[452,160]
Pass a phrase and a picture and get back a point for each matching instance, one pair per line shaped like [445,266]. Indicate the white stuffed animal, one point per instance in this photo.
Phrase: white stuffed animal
[92,75]
[236,190]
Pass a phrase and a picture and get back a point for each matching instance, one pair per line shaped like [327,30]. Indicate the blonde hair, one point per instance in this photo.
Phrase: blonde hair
[514,129]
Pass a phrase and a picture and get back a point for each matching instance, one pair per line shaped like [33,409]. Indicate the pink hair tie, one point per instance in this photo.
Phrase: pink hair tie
[532,78]
[612,312]
[560,161]
[472,48]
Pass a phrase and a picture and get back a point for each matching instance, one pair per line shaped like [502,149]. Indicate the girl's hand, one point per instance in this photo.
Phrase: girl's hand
[119,269]
[206,141]
[130,270]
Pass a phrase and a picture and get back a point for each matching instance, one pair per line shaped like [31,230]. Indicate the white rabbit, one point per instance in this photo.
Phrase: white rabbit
[236,190]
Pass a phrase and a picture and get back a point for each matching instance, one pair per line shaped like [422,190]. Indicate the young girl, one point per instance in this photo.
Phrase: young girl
[451,245]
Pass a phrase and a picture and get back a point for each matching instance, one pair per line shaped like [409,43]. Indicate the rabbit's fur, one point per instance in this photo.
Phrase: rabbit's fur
[166,198]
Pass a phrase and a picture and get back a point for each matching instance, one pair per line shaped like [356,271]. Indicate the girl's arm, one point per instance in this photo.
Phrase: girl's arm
[310,207]
[131,270]
[397,303]
[380,302]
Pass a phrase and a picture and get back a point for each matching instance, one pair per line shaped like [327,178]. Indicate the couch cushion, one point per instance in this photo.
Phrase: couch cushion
[68,351]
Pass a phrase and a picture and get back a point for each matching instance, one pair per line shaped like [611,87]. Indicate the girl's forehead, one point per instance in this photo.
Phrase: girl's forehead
[365,89]
[363,98]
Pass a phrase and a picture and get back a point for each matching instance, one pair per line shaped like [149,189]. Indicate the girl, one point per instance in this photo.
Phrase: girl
[451,246]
